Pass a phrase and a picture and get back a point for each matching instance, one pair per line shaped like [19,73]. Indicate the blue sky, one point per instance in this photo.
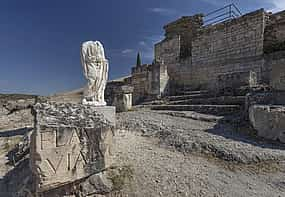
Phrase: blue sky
[40,39]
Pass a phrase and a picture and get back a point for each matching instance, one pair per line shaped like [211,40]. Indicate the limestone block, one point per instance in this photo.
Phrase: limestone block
[70,142]
[123,98]
[123,102]
[269,121]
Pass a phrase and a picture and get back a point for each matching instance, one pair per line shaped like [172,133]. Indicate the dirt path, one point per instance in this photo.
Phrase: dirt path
[161,171]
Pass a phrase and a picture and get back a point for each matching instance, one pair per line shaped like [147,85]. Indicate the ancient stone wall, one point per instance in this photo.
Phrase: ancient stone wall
[140,82]
[230,46]
[176,48]
[274,35]
[168,51]
[275,63]
[186,28]
[149,81]
[208,57]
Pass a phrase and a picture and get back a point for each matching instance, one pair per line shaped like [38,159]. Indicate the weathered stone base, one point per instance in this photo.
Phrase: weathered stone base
[269,121]
[70,143]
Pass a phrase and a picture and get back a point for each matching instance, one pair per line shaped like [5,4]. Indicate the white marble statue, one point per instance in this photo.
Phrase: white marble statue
[95,68]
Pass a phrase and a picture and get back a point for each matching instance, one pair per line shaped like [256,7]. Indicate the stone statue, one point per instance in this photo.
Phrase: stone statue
[95,68]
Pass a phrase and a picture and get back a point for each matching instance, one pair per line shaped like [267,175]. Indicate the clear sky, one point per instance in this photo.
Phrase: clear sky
[40,39]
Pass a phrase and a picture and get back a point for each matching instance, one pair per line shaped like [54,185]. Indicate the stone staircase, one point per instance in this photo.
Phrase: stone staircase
[198,101]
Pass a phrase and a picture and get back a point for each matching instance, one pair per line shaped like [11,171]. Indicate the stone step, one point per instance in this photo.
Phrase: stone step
[206,109]
[181,92]
[186,96]
[223,100]
[154,102]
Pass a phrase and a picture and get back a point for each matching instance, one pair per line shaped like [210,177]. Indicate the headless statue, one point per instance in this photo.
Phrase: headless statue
[95,69]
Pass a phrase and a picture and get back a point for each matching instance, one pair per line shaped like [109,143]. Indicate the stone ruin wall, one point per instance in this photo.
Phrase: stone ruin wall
[176,49]
[197,57]
[275,62]
[140,82]
[274,35]
[149,81]
[228,47]
[274,49]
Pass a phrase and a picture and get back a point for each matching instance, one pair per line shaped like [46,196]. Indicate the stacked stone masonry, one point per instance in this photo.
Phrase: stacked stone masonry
[196,56]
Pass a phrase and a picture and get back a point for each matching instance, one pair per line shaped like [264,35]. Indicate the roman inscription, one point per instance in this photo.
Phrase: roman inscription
[67,136]
[48,139]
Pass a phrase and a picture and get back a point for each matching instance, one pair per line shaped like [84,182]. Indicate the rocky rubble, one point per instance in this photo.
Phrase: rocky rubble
[15,111]
[220,139]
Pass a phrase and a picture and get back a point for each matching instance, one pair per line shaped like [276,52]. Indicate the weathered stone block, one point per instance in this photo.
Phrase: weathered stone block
[269,121]
[123,98]
[70,142]
[277,75]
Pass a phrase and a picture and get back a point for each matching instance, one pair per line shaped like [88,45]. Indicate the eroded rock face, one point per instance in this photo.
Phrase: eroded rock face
[70,143]
[269,121]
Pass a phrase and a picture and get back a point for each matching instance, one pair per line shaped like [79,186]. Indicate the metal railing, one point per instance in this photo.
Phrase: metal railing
[228,12]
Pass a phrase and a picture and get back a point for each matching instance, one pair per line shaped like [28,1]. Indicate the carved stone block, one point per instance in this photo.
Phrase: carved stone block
[70,142]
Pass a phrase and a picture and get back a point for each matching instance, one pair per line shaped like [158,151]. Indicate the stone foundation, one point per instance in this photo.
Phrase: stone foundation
[70,143]
[269,121]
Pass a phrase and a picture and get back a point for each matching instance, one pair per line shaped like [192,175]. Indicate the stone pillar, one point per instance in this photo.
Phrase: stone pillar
[70,143]
[123,98]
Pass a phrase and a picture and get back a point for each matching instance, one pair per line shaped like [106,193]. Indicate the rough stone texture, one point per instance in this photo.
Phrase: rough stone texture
[269,121]
[274,33]
[210,54]
[207,109]
[70,142]
[113,86]
[222,139]
[15,111]
[275,62]
[232,81]
[162,171]
[230,46]
[149,81]
[199,57]
[95,67]
[123,98]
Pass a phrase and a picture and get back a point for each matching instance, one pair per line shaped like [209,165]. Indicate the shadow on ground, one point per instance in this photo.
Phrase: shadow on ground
[237,129]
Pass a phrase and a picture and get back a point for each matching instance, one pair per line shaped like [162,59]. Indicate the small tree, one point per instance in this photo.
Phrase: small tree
[139,63]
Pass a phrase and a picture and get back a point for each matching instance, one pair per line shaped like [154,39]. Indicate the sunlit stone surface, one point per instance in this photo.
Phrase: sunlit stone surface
[95,68]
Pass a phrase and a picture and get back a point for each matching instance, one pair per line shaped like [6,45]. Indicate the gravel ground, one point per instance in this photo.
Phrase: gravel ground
[181,154]
[216,138]
[223,162]
[158,171]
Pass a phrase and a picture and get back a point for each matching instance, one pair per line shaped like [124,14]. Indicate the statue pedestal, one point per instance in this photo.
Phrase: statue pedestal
[70,142]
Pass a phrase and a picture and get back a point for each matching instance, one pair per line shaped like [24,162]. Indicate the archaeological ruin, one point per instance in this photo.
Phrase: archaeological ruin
[243,51]
[217,66]
[205,118]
